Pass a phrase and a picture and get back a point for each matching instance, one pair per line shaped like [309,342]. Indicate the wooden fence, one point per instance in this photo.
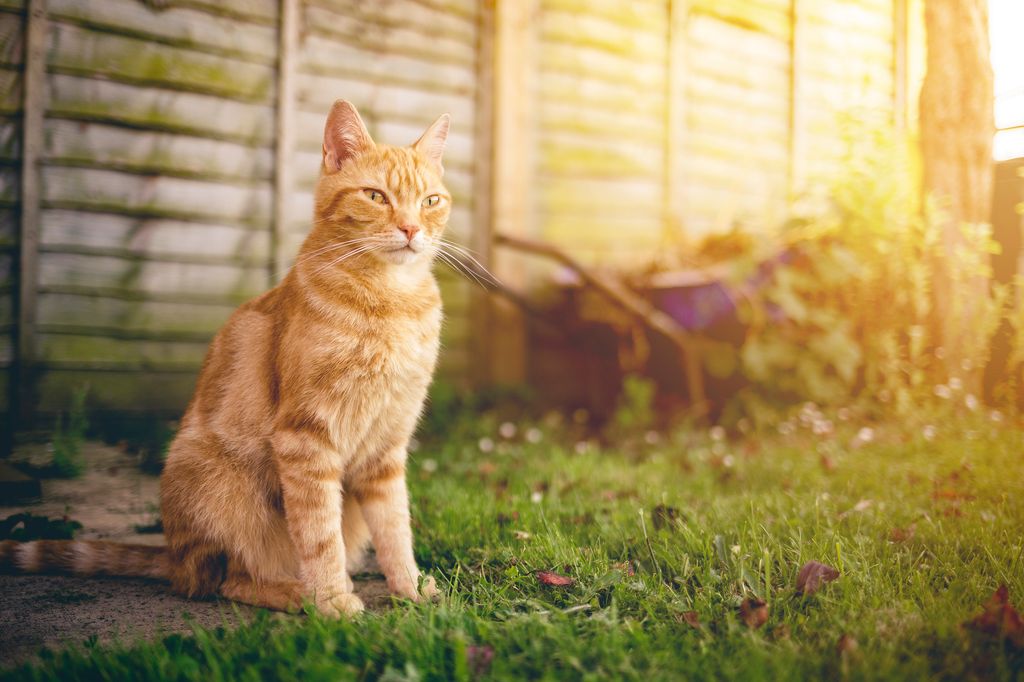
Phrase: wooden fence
[157,158]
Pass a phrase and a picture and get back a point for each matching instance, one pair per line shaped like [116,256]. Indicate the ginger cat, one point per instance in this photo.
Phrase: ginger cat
[291,455]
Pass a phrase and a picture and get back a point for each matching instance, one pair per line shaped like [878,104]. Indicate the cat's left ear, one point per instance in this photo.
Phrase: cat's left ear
[431,144]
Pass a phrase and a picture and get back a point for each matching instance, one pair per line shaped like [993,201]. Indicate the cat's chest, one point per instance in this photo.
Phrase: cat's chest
[376,354]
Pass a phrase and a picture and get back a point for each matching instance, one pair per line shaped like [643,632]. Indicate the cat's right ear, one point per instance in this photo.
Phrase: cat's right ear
[345,136]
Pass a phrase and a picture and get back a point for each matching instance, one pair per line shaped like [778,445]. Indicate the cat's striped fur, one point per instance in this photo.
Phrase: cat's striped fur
[313,388]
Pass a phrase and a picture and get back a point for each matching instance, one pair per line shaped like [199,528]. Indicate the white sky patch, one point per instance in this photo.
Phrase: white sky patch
[1006,28]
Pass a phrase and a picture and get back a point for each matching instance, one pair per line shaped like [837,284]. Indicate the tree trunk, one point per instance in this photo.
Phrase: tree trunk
[957,129]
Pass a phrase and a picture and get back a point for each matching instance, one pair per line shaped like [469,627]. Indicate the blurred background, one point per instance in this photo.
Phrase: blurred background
[751,202]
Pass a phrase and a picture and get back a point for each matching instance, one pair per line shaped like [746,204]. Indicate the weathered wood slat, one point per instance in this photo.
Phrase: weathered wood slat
[7,316]
[430,22]
[12,38]
[648,17]
[67,348]
[601,34]
[590,61]
[10,91]
[771,18]
[155,196]
[590,93]
[606,124]
[158,238]
[559,195]
[152,318]
[396,40]
[324,57]
[584,160]
[181,26]
[6,270]
[104,145]
[10,139]
[127,390]
[106,272]
[10,184]
[8,226]
[73,49]
[185,112]
[318,93]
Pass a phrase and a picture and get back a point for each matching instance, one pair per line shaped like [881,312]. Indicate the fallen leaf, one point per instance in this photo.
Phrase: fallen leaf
[521,535]
[554,579]
[754,612]
[902,534]
[846,644]
[863,505]
[813,575]
[626,567]
[781,632]
[479,658]
[690,618]
[827,463]
[1000,619]
[951,495]
[664,516]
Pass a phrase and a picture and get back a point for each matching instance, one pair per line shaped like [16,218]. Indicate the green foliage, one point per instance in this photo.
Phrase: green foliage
[68,434]
[635,410]
[27,526]
[922,523]
[850,313]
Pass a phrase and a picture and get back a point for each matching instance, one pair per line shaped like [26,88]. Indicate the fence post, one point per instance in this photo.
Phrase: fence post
[675,121]
[288,38]
[509,48]
[33,109]
[797,136]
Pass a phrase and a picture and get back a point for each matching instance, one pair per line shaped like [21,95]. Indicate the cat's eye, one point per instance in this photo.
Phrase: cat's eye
[376,196]
[432,200]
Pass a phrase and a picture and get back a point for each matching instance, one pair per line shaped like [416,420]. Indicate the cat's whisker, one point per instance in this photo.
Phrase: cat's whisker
[348,254]
[460,267]
[325,249]
[461,253]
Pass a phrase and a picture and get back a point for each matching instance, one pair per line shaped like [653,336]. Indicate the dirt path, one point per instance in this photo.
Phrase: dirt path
[111,500]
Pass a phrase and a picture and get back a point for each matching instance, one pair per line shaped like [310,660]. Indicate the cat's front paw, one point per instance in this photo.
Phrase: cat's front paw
[428,588]
[338,604]
[408,589]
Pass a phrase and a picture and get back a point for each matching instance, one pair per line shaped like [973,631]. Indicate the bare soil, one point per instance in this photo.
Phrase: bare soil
[112,500]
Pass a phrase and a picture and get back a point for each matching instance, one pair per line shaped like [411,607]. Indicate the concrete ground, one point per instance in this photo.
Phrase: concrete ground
[112,500]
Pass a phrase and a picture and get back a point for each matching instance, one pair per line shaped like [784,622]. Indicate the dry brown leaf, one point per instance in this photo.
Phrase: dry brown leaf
[813,575]
[1000,619]
[664,516]
[521,535]
[690,618]
[846,645]
[903,534]
[626,567]
[554,579]
[479,658]
[827,463]
[754,612]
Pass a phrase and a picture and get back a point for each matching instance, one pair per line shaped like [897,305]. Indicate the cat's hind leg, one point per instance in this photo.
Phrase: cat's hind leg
[356,534]
[287,595]
[279,595]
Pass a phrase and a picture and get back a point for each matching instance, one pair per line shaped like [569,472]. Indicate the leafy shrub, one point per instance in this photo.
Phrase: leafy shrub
[848,310]
[26,526]
[68,434]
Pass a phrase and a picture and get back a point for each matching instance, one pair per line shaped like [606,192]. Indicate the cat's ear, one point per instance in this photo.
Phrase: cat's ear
[345,135]
[431,144]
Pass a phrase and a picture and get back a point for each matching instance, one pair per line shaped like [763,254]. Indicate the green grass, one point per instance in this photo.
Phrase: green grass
[649,532]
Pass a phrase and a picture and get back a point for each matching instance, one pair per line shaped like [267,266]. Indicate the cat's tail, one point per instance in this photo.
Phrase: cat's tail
[84,557]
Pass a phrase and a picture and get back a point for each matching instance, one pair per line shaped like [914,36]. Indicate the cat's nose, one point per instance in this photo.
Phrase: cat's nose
[409,230]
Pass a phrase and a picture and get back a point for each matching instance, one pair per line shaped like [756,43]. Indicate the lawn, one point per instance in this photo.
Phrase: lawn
[669,543]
